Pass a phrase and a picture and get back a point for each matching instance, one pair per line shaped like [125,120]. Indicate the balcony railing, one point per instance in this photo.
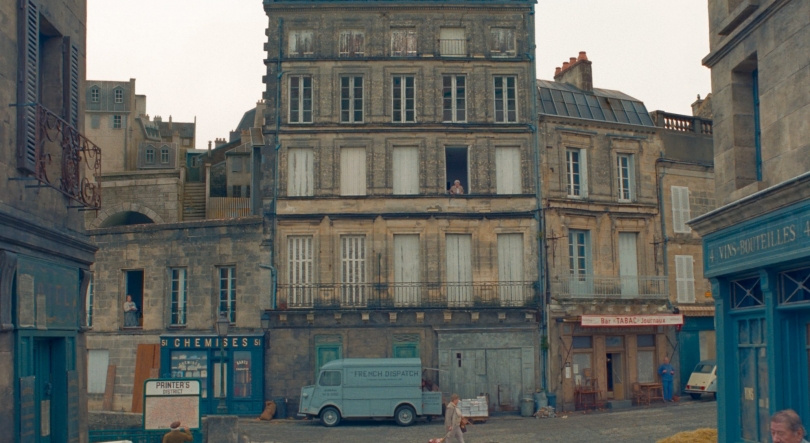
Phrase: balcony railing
[610,287]
[682,123]
[519,294]
[453,47]
[63,158]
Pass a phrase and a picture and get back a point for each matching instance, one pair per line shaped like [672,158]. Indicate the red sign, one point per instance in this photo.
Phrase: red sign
[632,320]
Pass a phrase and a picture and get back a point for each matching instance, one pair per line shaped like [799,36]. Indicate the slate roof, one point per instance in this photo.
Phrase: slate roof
[184,130]
[604,105]
[247,120]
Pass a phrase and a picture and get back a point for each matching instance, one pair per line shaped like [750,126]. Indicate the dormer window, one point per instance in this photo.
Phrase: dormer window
[150,156]
[94,94]
[164,155]
[119,96]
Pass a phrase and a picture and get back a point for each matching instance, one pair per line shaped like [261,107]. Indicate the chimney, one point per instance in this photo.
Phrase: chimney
[158,119]
[219,142]
[234,136]
[576,72]
[170,123]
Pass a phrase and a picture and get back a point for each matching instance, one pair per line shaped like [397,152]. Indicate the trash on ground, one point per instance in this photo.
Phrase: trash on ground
[704,435]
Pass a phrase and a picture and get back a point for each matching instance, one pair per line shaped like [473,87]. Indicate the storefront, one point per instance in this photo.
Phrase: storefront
[696,339]
[198,356]
[760,274]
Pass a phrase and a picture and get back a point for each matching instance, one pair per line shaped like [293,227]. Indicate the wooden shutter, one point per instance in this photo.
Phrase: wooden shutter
[459,269]
[147,359]
[680,209]
[300,174]
[352,171]
[70,89]
[299,270]
[685,278]
[508,174]
[628,263]
[510,268]
[406,269]
[98,361]
[353,270]
[406,171]
[28,86]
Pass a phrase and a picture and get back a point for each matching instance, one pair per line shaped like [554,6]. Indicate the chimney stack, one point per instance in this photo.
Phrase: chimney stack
[576,72]
[219,142]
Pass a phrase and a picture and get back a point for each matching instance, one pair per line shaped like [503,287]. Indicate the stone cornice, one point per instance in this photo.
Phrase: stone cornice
[22,230]
[743,31]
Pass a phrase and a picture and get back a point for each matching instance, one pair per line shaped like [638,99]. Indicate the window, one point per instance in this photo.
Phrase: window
[746,293]
[402,99]
[94,93]
[227,292]
[625,169]
[353,270]
[614,341]
[352,171]
[299,271]
[150,155]
[186,142]
[300,174]
[351,99]
[685,278]
[133,316]
[178,296]
[645,341]
[510,270]
[752,358]
[578,253]
[236,164]
[406,270]
[300,99]
[164,155]
[119,95]
[405,170]
[403,42]
[88,304]
[329,378]
[191,364]
[505,99]
[508,176]
[680,209]
[794,286]
[646,358]
[242,374]
[502,42]
[236,191]
[456,168]
[582,342]
[98,361]
[406,346]
[459,270]
[116,121]
[576,173]
[300,43]
[453,42]
[352,43]
[95,121]
[454,101]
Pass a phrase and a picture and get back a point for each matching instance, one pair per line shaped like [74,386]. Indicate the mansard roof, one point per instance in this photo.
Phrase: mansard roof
[563,99]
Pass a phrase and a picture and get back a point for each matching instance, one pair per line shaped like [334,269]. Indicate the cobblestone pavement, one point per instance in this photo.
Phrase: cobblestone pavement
[637,425]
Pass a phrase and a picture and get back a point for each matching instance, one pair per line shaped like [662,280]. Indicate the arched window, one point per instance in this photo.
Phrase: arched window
[164,155]
[150,155]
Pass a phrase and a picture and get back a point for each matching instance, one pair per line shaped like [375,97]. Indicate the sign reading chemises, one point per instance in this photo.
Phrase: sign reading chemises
[169,400]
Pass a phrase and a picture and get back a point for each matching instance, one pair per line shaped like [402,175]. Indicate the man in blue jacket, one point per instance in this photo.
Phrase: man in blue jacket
[666,371]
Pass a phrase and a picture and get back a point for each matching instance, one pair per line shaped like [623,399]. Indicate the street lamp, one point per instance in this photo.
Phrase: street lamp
[222,325]
[265,321]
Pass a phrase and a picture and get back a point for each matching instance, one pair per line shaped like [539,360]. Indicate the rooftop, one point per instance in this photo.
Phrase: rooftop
[605,105]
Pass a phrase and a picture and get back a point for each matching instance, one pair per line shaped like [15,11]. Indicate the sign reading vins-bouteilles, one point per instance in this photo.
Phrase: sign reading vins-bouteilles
[171,399]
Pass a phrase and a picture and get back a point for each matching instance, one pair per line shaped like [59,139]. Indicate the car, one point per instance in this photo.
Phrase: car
[703,380]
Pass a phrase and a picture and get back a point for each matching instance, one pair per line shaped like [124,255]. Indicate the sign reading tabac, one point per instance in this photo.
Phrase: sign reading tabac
[632,320]
[169,400]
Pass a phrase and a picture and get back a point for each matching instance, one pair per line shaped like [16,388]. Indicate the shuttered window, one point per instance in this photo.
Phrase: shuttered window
[300,271]
[300,174]
[28,88]
[406,171]
[680,209]
[95,121]
[98,360]
[300,43]
[300,99]
[403,42]
[507,171]
[352,43]
[452,42]
[505,99]
[510,269]
[454,98]
[406,270]
[352,171]
[628,263]
[353,270]
[459,269]
[685,278]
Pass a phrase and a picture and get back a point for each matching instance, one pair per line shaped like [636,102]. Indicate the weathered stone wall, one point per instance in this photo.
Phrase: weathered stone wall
[158,195]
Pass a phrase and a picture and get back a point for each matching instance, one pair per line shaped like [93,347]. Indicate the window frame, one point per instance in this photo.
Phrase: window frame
[348,96]
[227,295]
[403,99]
[685,278]
[178,297]
[627,189]
[582,174]
[119,95]
[118,121]
[463,42]
[579,265]
[292,178]
[95,94]
[350,37]
[406,51]
[453,99]
[300,270]
[149,155]
[512,42]
[164,155]
[302,99]
[299,33]
[505,100]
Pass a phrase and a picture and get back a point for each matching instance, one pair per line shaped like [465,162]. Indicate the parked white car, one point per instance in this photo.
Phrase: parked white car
[703,380]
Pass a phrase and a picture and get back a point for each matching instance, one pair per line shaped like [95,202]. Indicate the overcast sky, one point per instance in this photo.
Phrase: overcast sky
[203,58]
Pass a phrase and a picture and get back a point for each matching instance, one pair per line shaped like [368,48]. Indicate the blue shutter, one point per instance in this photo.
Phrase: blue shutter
[28,87]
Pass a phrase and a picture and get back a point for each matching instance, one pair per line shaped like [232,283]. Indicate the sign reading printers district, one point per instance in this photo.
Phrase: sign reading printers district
[170,400]
[631,320]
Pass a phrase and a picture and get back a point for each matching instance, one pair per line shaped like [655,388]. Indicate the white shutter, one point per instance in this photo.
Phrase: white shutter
[508,175]
[510,269]
[459,269]
[406,171]
[97,362]
[352,171]
[628,263]
[299,270]
[685,278]
[406,269]
[300,174]
[680,209]
[353,270]
[452,34]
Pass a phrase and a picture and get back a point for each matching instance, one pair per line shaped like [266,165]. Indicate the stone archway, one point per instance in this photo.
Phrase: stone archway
[126,211]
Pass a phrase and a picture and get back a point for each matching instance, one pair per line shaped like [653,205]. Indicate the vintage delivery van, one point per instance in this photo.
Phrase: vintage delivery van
[370,388]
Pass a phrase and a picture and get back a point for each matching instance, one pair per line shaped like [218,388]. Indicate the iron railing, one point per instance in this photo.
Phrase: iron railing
[610,287]
[452,47]
[520,294]
[134,435]
[65,159]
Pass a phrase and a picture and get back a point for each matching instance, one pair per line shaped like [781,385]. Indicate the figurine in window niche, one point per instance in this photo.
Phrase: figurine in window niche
[130,313]
[457,189]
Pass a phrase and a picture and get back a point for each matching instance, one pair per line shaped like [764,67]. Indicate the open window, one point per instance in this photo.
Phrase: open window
[133,282]
[457,168]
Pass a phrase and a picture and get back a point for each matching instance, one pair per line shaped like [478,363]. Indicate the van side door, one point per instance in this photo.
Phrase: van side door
[328,390]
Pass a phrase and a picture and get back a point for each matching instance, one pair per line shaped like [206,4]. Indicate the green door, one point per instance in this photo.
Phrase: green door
[406,350]
[43,391]
[324,353]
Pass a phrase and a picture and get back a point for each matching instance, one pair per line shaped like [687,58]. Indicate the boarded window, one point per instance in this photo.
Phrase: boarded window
[510,269]
[646,366]
[236,164]
[406,170]
[95,121]
[685,278]
[300,43]
[406,270]
[299,270]
[508,173]
[680,209]
[300,174]
[502,42]
[352,171]
[353,270]
[97,362]
[459,269]
[403,42]
[352,43]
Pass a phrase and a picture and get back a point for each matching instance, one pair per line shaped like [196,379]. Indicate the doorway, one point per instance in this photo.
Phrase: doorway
[615,375]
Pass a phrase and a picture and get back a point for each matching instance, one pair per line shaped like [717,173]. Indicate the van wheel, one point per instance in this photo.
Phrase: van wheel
[695,396]
[330,417]
[405,416]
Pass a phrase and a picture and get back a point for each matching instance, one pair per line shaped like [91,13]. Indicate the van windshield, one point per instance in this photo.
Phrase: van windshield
[704,369]
[330,378]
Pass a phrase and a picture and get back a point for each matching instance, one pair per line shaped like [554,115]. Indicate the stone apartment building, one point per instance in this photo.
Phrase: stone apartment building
[374,111]
[44,252]
[757,242]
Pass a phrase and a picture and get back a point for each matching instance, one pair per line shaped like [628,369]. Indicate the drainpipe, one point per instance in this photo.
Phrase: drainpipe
[276,147]
[661,211]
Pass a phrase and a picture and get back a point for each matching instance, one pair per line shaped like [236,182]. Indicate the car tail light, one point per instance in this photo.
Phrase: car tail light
[703,388]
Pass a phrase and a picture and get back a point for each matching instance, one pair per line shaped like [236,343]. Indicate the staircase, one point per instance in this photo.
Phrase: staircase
[194,202]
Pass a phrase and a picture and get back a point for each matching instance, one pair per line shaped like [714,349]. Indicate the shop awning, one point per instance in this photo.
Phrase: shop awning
[697,311]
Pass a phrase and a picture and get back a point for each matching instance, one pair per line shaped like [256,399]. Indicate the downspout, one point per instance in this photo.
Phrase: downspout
[277,147]
[661,211]
[543,324]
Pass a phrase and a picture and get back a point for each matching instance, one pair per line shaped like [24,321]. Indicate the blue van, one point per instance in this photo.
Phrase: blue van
[370,388]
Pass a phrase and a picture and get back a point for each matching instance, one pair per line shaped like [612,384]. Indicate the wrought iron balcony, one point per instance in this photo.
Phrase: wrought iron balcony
[609,287]
[423,295]
[59,156]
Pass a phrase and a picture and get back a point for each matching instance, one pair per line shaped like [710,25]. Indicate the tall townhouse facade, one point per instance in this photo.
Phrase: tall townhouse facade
[610,319]
[757,243]
[48,171]
[375,111]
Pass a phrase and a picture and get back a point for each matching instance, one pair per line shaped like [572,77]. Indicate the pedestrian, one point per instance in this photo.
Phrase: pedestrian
[177,434]
[457,189]
[786,427]
[452,421]
[666,371]
[130,313]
